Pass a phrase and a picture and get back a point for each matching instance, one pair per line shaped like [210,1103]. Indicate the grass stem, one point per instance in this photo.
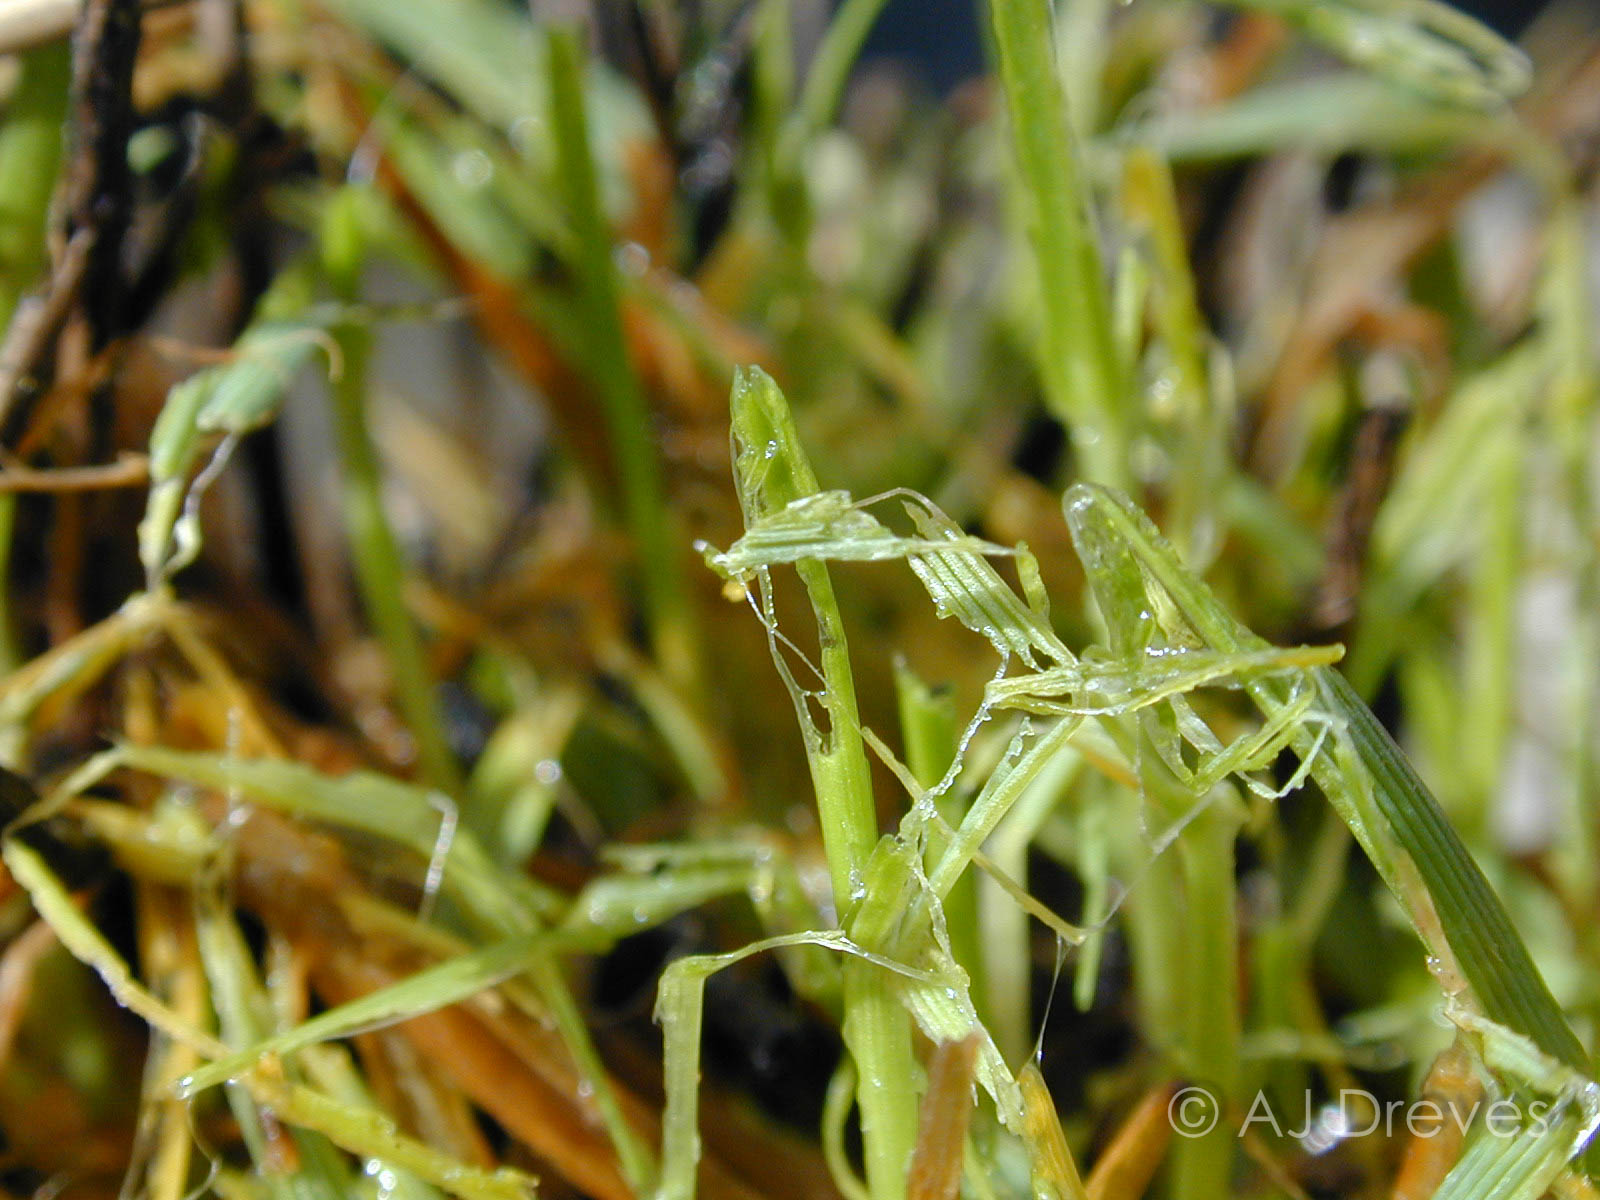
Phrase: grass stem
[1077,354]
[605,352]
[380,571]
[773,471]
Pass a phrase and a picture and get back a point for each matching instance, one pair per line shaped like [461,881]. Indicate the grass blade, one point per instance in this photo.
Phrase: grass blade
[627,417]
[1076,354]
[1375,789]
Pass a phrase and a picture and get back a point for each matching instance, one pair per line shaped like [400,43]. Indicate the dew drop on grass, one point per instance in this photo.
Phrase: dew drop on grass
[383,1176]
[632,259]
[1589,1103]
[472,168]
[526,132]
[1446,976]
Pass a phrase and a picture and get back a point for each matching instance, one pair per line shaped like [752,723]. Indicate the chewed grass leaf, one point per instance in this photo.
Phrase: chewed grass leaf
[1367,779]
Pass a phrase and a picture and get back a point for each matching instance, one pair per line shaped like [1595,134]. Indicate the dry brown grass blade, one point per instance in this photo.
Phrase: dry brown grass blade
[1053,1164]
[1453,1086]
[1372,458]
[130,470]
[942,1124]
[17,965]
[293,880]
[1126,1166]
[412,1086]
[546,1119]
[510,1066]
[170,955]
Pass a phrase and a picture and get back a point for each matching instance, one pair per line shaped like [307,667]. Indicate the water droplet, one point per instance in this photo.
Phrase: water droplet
[772,449]
[1589,1103]
[709,170]
[547,771]
[472,169]
[525,133]
[385,1177]
[633,260]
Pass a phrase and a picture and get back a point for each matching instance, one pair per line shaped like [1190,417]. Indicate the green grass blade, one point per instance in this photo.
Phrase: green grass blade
[1487,947]
[1372,785]
[1425,45]
[930,734]
[488,55]
[605,348]
[1077,353]
[679,1005]
[428,990]
[1331,115]
[823,89]
[1519,1167]
[334,1072]
[231,399]
[244,1014]
[30,149]
[375,804]
[89,946]
[372,1135]
[829,525]
[771,472]
[379,566]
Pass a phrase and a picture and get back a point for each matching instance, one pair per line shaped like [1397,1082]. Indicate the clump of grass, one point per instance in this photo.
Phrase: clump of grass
[366,802]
